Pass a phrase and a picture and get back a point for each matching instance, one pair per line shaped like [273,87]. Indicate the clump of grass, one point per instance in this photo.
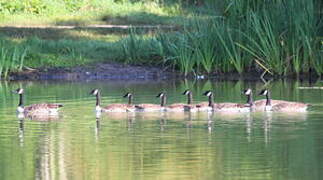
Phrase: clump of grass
[12,59]
[84,12]
[281,36]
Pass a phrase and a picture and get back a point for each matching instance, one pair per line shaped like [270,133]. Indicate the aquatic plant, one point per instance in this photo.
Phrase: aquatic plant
[280,36]
[11,60]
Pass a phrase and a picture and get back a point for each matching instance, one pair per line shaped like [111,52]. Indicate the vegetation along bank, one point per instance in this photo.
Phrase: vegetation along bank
[283,38]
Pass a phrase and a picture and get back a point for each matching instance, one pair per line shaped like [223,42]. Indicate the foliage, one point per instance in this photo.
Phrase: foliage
[281,36]
[11,59]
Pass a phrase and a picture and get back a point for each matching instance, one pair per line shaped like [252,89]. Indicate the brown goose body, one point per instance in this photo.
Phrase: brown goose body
[118,108]
[181,107]
[45,109]
[148,107]
[260,104]
[282,106]
[228,107]
[42,108]
[290,107]
[232,107]
[113,107]
[203,106]
[153,107]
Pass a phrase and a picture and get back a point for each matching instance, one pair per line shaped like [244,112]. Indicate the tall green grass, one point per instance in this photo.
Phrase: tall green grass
[11,59]
[279,36]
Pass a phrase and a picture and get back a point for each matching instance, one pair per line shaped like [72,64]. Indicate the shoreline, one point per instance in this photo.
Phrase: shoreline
[118,71]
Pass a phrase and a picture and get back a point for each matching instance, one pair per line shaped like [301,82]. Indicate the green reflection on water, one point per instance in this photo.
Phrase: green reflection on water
[159,145]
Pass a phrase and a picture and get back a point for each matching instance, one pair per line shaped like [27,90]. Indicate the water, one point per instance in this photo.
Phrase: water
[159,145]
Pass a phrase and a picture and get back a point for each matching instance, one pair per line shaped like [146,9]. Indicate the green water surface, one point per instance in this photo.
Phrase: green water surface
[159,145]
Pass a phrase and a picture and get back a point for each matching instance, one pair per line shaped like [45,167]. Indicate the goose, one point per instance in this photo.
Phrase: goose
[209,105]
[153,107]
[228,107]
[282,106]
[184,107]
[44,109]
[261,105]
[112,107]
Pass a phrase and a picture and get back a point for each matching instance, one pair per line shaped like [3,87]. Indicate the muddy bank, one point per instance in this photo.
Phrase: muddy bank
[109,71]
[117,71]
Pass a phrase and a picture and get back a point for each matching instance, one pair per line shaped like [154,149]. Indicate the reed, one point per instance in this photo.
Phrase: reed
[283,36]
[11,59]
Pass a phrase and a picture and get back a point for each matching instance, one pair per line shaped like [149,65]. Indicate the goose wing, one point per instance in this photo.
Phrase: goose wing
[229,105]
[43,106]
[143,106]
[290,107]
[118,107]
[202,104]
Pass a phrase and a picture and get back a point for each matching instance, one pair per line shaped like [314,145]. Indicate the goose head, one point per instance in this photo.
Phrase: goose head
[208,93]
[263,92]
[19,91]
[94,92]
[247,92]
[186,92]
[127,95]
[160,95]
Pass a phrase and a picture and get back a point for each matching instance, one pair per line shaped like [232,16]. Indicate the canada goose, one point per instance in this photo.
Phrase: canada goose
[228,107]
[112,107]
[35,109]
[207,106]
[282,106]
[260,105]
[184,107]
[153,107]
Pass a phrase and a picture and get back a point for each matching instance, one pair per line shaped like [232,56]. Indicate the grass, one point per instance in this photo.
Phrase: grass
[11,59]
[233,36]
[280,36]
[95,12]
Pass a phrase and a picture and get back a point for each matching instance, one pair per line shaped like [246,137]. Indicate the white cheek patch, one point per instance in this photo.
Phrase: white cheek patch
[20,91]
[95,92]
[162,95]
[265,92]
[186,92]
[248,92]
[209,94]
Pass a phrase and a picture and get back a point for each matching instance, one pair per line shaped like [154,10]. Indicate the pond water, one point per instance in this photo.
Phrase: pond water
[159,145]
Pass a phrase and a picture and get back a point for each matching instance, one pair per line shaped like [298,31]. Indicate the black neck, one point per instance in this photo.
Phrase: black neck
[163,101]
[98,99]
[21,100]
[250,100]
[189,98]
[211,103]
[130,99]
[268,101]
